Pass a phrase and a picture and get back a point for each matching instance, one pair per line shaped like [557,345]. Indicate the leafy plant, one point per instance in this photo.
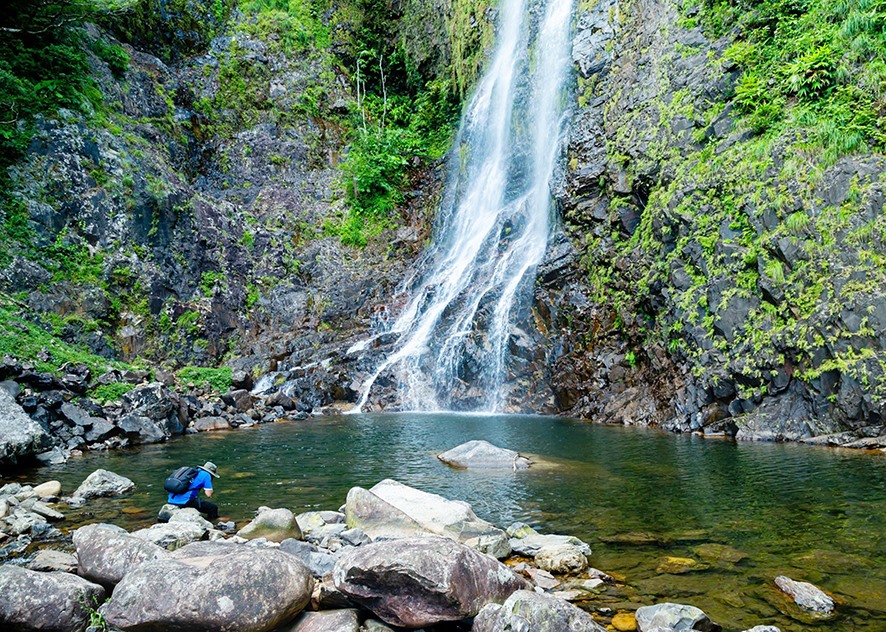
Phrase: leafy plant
[217,379]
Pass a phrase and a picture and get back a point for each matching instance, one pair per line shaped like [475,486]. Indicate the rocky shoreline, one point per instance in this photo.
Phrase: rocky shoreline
[391,558]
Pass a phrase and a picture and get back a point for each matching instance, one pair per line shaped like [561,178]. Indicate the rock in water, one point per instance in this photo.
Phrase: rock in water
[667,617]
[48,489]
[418,581]
[483,455]
[527,610]
[20,436]
[105,553]
[234,588]
[274,524]
[807,596]
[103,483]
[393,510]
[46,601]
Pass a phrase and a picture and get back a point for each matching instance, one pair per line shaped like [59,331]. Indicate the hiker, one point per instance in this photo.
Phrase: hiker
[191,498]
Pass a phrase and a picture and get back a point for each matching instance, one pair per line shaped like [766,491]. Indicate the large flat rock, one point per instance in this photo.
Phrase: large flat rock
[479,454]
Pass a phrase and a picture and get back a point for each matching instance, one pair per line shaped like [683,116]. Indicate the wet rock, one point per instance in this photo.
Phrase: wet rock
[484,455]
[49,489]
[809,597]
[624,622]
[329,621]
[527,541]
[204,424]
[666,617]
[680,565]
[105,553]
[713,552]
[274,524]
[418,581]
[103,483]
[561,558]
[49,560]
[391,510]
[527,610]
[230,589]
[46,601]
[20,436]
[47,512]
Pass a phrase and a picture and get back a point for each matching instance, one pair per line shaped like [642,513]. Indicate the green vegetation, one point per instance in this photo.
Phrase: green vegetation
[218,380]
[112,392]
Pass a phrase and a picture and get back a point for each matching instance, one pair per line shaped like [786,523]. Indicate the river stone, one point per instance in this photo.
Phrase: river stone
[393,510]
[319,561]
[49,489]
[46,511]
[20,436]
[561,558]
[528,610]
[105,553]
[172,535]
[46,601]
[103,483]
[235,589]
[483,455]
[680,565]
[673,617]
[329,621]
[205,424]
[50,560]
[421,581]
[275,525]
[529,542]
[807,596]
[624,622]
[188,515]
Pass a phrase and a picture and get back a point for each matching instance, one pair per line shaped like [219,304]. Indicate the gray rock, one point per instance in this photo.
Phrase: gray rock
[49,560]
[48,489]
[420,581]
[172,535]
[274,524]
[105,553]
[46,601]
[103,483]
[320,562]
[391,510]
[483,455]
[141,429]
[20,436]
[329,621]
[156,402]
[235,588]
[188,515]
[528,610]
[673,617]
[561,558]
[561,551]
[46,511]
[806,595]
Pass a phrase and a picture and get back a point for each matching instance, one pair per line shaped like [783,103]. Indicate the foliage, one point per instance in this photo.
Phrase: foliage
[112,392]
[114,55]
[217,379]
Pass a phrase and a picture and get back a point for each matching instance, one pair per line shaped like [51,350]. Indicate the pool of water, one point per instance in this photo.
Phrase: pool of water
[636,496]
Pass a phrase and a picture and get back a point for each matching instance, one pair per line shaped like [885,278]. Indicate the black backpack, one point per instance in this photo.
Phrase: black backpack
[180,480]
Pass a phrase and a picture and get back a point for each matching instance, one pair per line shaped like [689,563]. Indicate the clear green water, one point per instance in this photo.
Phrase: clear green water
[636,496]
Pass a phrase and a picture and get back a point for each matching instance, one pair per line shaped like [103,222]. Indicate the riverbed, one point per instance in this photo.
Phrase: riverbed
[746,512]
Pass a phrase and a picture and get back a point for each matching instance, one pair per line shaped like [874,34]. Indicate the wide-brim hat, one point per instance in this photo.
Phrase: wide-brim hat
[210,467]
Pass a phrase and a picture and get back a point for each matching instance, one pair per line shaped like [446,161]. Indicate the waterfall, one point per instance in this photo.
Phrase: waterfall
[452,337]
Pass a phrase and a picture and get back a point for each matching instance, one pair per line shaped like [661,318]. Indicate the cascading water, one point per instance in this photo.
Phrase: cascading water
[494,224]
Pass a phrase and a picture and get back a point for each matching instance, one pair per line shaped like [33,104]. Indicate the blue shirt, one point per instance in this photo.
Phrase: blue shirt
[203,479]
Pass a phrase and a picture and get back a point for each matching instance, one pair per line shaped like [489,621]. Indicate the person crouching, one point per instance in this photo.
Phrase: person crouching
[191,497]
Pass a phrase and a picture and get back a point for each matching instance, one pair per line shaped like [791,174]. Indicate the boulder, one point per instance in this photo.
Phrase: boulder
[345,620]
[275,525]
[20,436]
[105,553]
[528,610]
[49,489]
[188,515]
[484,455]
[204,424]
[319,561]
[156,402]
[172,535]
[46,601]
[49,560]
[809,597]
[393,510]
[561,558]
[233,588]
[103,483]
[673,617]
[527,541]
[413,582]
[141,429]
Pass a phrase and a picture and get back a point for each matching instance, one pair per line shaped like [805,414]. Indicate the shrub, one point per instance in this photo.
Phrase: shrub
[217,379]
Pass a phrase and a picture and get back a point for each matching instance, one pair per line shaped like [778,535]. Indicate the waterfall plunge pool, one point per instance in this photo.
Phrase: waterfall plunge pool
[637,496]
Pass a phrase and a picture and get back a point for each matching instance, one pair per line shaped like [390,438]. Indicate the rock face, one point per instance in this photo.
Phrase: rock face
[417,581]
[275,525]
[807,596]
[391,510]
[527,610]
[483,455]
[103,483]
[20,436]
[105,553]
[673,617]
[236,589]
[46,601]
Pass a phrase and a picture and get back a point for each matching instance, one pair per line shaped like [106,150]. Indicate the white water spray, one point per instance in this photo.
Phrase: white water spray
[453,334]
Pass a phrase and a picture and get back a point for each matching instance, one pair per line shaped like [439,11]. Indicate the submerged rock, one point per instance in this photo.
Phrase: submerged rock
[667,617]
[46,601]
[483,455]
[809,597]
[527,610]
[414,582]
[103,483]
[234,588]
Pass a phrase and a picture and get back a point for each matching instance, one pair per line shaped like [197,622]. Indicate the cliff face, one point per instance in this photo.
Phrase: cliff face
[714,278]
